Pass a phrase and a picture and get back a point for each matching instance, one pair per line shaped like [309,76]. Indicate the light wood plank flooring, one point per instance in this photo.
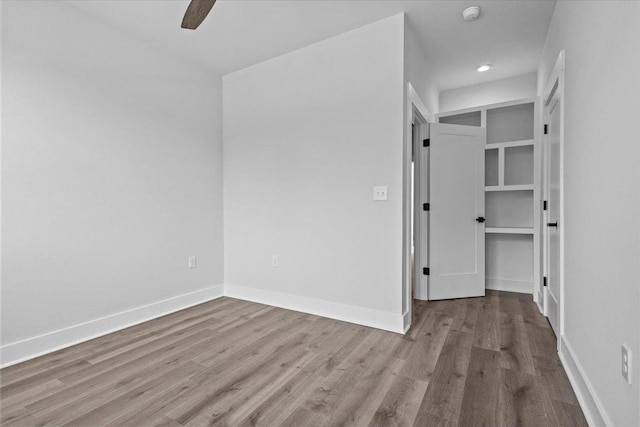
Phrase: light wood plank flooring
[479,361]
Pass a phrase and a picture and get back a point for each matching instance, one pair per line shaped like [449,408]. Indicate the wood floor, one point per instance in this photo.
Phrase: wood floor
[481,361]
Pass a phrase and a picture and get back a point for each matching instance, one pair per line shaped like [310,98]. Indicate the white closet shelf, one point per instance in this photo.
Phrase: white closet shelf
[508,230]
[509,188]
[490,146]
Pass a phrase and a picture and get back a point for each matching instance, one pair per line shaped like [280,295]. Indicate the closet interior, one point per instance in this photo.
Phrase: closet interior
[513,164]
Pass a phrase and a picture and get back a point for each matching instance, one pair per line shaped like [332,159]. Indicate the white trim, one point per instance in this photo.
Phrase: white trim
[591,405]
[519,286]
[40,345]
[538,298]
[30,348]
[420,216]
[412,102]
[348,313]
[406,320]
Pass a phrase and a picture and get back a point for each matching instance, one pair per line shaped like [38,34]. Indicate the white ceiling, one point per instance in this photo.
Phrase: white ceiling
[238,33]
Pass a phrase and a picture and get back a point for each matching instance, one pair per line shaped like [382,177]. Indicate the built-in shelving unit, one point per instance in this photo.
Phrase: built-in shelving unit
[512,190]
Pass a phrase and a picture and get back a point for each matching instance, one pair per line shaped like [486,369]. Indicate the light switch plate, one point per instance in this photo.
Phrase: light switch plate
[380,193]
[192,262]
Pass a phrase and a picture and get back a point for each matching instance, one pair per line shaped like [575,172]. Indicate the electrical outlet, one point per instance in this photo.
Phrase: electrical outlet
[380,193]
[626,363]
[192,262]
[274,261]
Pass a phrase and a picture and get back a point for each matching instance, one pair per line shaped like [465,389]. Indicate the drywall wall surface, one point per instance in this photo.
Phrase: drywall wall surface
[602,196]
[307,136]
[418,72]
[510,89]
[112,172]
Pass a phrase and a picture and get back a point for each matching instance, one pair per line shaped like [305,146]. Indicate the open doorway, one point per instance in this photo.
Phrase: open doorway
[416,118]
[448,192]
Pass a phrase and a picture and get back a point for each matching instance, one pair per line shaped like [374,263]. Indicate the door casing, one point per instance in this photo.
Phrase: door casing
[420,217]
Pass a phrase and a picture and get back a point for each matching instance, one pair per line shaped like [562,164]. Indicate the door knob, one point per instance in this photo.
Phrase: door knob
[480,219]
[552,224]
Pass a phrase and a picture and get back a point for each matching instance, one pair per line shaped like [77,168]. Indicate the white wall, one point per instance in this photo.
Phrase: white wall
[602,196]
[418,72]
[307,136]
[513,88]
[111,178]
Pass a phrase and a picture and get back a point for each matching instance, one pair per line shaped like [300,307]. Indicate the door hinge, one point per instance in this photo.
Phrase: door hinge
[546,129]
[425,206]
[544,281]
[544,205]
[425,142]
[425,271]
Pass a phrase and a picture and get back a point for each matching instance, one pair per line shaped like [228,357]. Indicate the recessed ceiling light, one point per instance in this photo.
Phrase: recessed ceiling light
[471,13]
[483,68]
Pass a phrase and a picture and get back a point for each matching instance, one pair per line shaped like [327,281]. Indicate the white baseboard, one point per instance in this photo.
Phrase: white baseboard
[30,348]
[545,299]
[347,313]
[406,322]
[509,285]
[540,301]
[589,402]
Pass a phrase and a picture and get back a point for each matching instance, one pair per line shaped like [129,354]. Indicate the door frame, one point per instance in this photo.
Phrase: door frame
[415,110]
[420,229]
[555,83]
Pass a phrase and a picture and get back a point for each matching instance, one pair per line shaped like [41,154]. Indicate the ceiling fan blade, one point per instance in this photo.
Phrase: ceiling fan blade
[196,12]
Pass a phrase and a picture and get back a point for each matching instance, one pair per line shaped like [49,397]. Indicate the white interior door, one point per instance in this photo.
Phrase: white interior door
[552,238]
[456,223]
